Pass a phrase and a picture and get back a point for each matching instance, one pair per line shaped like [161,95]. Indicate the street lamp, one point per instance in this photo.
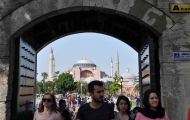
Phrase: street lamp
[81,87]
[121,80]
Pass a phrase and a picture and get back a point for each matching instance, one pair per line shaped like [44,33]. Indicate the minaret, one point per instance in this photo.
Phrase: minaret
[117,64]
[111,68]
[51,66]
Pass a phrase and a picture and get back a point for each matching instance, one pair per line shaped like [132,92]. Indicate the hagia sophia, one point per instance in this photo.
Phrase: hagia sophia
[87,71]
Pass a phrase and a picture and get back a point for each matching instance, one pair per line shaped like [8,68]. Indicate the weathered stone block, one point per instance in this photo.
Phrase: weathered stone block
[169,22]
[110,4]
[60,4]
[163,4]
[175,34]
[140,12]
[4,71]
[181,108]
[151,15]
[183,68]
[4,37]
[99,3]
[172,85]
[168,68]
[125,5]
[74,3]
[9,25]
[166,54]
[4,8]
[47,5]
[171,103]
[89,2]
[2,111]
[33,10]
[179,18]
[4,51]
[21,17]
[186,79]
[186,105]
[3,89]
[152,2]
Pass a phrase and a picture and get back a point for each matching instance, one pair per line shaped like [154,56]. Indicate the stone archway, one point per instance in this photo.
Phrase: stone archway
[26,16]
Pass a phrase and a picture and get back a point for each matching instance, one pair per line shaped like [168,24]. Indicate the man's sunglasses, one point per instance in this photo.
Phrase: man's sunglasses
[44,99]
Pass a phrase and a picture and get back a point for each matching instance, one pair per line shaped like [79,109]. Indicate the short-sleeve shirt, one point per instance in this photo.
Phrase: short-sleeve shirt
[104,112]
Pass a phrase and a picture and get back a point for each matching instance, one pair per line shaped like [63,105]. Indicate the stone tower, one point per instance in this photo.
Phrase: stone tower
[51,66]
[117,64]
[111,68]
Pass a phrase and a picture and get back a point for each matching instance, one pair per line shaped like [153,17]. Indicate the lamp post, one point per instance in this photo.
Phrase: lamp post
[121,81]
[81,87]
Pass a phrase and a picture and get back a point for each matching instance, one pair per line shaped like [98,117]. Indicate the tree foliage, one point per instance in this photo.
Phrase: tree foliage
[65,83]
[137,88]
[115,86]
[49,86]
[39,87]
[44,75]
[84,87]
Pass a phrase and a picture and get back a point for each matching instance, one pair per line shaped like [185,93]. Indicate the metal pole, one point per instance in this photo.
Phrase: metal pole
[81,88]
[140,81]
[121,88]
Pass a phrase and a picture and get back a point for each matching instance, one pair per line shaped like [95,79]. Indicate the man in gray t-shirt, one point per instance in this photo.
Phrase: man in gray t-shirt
[97,109]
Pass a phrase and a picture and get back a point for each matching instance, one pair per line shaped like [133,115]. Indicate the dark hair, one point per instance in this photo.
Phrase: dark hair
[146,111]
[146,99]
[92,84]
[61,101]
[136,108]
[54,106]
[128,103]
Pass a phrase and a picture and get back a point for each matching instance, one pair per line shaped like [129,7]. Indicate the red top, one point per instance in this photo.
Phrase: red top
[188,118]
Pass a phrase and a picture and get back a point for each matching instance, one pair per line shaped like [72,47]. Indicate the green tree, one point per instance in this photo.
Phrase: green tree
[84,87]
[107,86]
[56,75]
[39,87]
[49,86]
[65,83]
[44,75]
[115,86]
[137,88]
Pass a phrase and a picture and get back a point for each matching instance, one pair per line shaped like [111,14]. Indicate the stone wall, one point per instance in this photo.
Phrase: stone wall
[175,77]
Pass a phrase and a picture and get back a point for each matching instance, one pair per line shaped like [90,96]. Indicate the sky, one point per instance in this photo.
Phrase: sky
[99,48]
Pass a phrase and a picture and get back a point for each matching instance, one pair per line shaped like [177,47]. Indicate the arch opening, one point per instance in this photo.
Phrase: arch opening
[134,33]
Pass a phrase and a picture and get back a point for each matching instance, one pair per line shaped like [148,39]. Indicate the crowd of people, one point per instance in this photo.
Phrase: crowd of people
[99,107]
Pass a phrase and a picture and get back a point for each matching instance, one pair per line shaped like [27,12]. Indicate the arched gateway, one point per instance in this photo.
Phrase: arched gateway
[26,27]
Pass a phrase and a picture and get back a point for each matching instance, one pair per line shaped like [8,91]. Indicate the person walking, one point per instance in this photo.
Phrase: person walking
[135,111]
[123,106]
[62,109]
[152,108]
[97,109]
[47,109]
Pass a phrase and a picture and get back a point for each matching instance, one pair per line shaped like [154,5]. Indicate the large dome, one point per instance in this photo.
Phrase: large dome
[85,63]
[128,75]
